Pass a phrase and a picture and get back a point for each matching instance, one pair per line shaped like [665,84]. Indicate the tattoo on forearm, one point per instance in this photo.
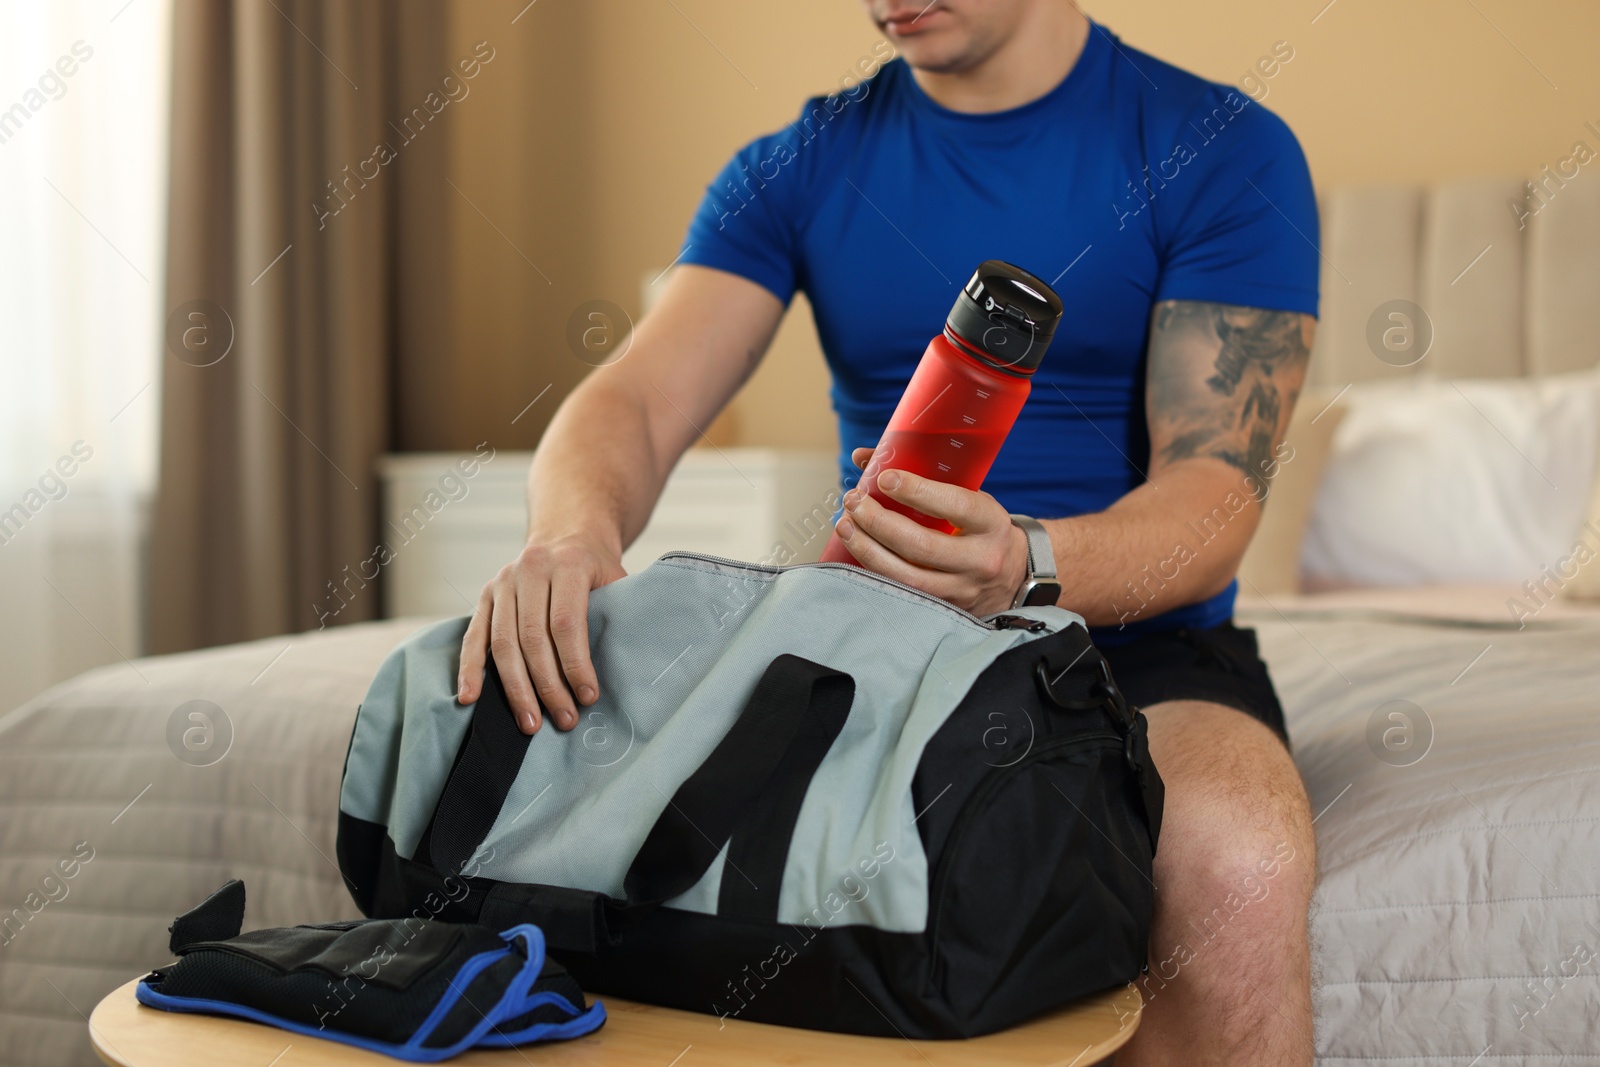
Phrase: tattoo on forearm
[1222,380]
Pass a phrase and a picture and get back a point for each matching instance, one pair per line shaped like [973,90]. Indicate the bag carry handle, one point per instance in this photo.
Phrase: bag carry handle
[702,815]
[486,765]
[758,851]
[763,764]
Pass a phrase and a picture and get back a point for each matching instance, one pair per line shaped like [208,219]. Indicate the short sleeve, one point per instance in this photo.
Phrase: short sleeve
[748,221]
[1243,229]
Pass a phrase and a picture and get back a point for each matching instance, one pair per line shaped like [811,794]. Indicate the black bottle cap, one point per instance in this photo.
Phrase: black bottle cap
[1006,316]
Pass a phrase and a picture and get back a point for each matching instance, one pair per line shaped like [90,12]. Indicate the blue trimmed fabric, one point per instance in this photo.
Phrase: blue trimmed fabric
[517,1014]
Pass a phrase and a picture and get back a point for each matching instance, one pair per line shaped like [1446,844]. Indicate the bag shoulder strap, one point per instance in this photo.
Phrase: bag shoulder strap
[1091,686]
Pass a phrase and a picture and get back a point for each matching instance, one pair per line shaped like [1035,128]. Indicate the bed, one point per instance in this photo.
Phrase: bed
[1452,751]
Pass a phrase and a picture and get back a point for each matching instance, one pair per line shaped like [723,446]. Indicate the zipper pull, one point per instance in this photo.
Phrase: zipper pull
[1018,622]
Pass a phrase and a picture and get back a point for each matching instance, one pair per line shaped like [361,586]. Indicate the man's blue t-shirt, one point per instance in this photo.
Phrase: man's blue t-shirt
[1129,183]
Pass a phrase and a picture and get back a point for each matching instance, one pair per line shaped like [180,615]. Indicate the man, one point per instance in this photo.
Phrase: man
[1178,223]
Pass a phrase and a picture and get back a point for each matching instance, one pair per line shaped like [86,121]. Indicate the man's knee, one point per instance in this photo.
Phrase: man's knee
[1246,839]
[1237,859]
[1251,886]
[1241,910]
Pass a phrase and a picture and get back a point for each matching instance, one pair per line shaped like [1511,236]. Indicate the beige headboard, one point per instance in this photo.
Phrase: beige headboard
[1508,273]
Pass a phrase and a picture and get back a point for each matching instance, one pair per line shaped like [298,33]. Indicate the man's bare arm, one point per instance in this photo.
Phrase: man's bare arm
[603,461]
[1221,383]
[595,478]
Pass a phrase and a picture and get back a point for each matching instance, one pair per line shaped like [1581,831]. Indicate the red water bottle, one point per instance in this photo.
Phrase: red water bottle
[968,389]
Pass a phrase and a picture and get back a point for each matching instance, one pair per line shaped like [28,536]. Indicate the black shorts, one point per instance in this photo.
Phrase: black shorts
[1220,665]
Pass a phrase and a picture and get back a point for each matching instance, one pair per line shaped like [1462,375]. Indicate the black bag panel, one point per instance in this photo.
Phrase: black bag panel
[1002,717]
[572,920]
[1046,878]
[759,971]
[1147,791]
[1041,871]
[358,847]
[1056,686]
[845,979]
[848,979]
[569,918]
[395,887]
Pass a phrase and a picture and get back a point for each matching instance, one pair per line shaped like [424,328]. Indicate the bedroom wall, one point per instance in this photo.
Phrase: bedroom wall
[521,210]
[1422,91]
[652,97]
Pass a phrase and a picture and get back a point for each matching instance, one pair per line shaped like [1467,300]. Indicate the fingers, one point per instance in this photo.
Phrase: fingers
[861,457]
[569,627]
[974,568]
[469,675]
[903,536]
[509,660]
[534,619]
[875,556]
[538,650]
[965,509]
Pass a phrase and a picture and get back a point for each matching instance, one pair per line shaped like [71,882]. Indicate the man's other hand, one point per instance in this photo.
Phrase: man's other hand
[533,617]
[979,568]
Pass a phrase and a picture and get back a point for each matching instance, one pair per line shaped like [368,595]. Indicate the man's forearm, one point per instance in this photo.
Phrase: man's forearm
[1221,383]
[1167,543]
[594,479]
[606,456]
[597,471]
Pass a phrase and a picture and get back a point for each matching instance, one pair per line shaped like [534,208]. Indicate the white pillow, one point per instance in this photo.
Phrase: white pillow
[1435,482]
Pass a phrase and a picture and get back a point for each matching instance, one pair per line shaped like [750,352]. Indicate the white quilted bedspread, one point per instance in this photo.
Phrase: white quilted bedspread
[1448,886]
[1457,919]
[89,761]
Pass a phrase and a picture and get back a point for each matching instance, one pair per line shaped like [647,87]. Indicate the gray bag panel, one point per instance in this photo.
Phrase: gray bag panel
[678,648]
[409,717]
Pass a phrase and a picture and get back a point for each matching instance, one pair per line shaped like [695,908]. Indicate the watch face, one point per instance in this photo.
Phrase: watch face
[1042,593]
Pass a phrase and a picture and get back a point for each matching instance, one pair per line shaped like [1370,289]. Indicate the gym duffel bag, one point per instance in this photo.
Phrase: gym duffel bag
[809,796]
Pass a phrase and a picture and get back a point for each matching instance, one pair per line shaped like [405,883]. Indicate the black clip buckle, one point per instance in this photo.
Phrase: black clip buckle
[1104,694]
[1113,696]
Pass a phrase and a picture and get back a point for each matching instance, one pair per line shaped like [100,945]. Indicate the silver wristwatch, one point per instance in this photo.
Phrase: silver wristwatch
[1041,585]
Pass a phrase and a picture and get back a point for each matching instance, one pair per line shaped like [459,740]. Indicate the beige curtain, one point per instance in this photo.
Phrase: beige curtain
[305,296]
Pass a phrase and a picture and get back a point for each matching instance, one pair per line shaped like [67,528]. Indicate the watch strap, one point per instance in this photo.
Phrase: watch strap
[1041,555]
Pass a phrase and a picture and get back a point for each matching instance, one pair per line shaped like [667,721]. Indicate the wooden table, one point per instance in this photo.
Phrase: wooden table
[128,1034]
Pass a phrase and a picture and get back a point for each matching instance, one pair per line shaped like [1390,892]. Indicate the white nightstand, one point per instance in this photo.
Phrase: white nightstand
[449,533]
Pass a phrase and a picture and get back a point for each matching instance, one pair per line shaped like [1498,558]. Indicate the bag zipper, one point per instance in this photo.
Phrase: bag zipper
[975,807]
[1018,622]
[998,622]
